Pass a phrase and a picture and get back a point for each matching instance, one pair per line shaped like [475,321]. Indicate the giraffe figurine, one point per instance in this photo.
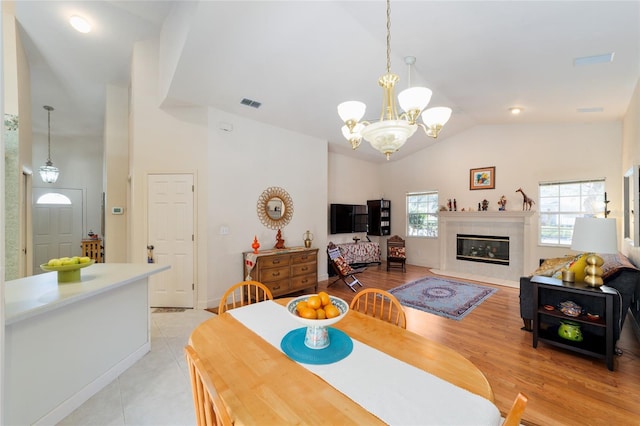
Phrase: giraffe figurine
[526,201]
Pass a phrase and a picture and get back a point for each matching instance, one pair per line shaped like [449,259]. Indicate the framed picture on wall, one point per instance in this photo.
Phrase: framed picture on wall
[482,178]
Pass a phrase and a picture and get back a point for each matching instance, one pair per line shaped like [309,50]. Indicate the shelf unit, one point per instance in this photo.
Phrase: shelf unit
[379,217]
[597,334]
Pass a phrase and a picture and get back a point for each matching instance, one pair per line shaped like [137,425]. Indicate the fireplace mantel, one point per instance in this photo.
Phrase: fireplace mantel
[515,224]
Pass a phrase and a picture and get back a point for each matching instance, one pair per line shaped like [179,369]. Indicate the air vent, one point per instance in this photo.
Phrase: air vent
[592,109]
[596,59]
[249,102]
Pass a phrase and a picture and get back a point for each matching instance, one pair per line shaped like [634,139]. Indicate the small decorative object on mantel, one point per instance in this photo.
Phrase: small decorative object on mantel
[485,205]
[526,201]
[455,205]
[279,240]
[255,245]
[449,204]
[502,202]
[307,237]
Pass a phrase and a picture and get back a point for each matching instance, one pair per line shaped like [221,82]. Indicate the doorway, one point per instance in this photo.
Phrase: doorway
[57,224]
[170,214]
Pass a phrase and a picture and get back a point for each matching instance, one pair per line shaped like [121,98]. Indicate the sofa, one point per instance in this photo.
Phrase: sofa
[618,273]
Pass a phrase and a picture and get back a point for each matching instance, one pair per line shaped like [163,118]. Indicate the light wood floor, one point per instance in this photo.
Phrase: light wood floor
[564,388]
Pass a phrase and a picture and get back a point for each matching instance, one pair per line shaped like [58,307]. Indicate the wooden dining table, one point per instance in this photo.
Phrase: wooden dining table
[260,384]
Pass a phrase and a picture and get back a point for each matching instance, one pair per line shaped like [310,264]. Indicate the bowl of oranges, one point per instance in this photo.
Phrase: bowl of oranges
[317,312]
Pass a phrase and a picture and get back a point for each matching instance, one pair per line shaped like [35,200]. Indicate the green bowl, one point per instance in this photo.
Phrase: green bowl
[67,273]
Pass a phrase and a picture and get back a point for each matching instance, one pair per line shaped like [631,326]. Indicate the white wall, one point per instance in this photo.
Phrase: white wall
[248,160]
[168,140]
[631,152]
[523,155]
[116,172]
[352,181]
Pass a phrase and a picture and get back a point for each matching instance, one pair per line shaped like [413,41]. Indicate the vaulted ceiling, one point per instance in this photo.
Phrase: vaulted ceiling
[300,59]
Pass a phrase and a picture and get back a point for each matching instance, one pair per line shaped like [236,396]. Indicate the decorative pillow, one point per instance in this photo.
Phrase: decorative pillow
[343,266]
[578,265]
[552,266]
[397,252]
[613,263]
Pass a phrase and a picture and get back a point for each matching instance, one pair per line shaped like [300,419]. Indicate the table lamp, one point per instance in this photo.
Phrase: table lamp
[594,235]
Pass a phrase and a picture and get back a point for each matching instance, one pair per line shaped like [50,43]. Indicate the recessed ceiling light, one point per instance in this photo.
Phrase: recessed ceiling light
[80,24]
[515,110]
[595,59]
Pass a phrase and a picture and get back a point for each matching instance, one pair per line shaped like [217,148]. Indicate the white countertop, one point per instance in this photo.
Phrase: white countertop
[37,294]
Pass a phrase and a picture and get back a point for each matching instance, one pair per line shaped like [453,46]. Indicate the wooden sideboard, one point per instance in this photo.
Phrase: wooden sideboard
[284,271]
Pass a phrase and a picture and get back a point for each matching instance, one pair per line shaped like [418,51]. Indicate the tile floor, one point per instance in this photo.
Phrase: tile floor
[154,391]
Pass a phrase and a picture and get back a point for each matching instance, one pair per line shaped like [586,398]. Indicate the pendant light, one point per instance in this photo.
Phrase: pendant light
[49,173]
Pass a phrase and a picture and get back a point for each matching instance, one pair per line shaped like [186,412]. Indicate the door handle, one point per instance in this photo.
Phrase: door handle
[150,254]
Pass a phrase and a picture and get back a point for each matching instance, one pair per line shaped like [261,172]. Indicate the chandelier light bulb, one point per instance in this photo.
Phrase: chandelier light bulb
[351,110]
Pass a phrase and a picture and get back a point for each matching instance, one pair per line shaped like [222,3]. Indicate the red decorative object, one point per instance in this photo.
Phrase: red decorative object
[279,240]
[256,245]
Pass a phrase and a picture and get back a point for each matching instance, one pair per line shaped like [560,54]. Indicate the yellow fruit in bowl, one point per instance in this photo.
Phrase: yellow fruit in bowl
[54,262]
[331,311]
[324,298]
[314,302]
[85,259]
[308,313]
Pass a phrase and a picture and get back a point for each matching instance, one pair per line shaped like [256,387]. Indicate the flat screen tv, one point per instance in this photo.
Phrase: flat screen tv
[348,218]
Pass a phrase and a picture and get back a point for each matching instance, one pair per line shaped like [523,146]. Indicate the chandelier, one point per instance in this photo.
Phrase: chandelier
[392,131]
[49,173]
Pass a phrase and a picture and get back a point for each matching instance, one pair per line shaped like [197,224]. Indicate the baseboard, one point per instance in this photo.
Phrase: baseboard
[68,406]
[473,277]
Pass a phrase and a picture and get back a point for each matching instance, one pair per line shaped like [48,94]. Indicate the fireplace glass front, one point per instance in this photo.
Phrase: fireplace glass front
[483,248]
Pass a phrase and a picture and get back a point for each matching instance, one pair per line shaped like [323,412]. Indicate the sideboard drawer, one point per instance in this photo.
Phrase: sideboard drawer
[304,281]
[274,274]
[274,261]
[304,258]
[278,287]
[302,269]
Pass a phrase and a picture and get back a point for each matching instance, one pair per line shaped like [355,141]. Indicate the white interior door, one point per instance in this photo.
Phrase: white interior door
[57,228]
[170,219]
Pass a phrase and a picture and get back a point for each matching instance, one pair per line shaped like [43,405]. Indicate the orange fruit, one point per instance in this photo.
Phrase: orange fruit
[324,298]
[308,313]
[314,302]
[301,305]
[321,314]
[331,311]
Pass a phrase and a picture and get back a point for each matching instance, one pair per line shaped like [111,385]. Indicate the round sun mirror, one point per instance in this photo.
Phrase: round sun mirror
[275,208]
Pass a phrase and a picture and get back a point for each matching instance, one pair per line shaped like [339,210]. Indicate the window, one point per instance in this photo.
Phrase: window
[562,202]
[53,198]
[422,214]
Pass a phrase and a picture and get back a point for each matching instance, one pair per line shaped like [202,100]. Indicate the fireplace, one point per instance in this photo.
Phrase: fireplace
[483,248]
[514,224]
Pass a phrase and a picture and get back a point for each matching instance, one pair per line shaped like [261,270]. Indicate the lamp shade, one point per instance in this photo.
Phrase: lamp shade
[351,110]
[414,98]
[437,116]
[595,235]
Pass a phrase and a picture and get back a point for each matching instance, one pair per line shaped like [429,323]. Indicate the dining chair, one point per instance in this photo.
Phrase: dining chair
[209,407]
[396,255]
[379,304]
[517,409]
[244,293]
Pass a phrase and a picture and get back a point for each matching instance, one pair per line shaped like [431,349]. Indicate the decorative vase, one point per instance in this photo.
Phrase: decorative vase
[307,237]
[256,245]
[570,330]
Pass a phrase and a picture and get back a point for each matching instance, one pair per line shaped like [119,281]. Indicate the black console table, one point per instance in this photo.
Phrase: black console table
[597,332]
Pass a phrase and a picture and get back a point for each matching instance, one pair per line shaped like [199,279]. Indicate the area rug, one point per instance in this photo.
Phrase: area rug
[445,297]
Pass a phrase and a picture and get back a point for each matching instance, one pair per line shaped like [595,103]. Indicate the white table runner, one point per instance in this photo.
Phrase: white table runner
[394,391]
